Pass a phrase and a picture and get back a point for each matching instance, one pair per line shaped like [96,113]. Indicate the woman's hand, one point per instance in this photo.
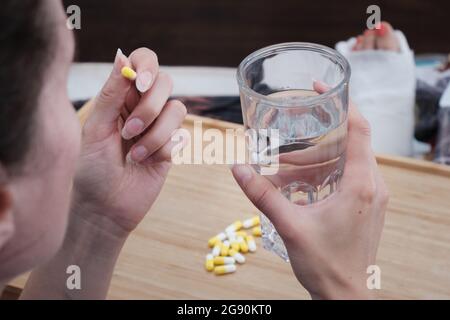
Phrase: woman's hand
[116,183]
[332,242]
[126,145]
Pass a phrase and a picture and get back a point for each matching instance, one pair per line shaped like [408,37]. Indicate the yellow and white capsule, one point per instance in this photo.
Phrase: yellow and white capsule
[235,245]
[129,73]
[223,260]
[225,248]
[250,223]
[237,256]
[235,226]
[209,263]
[241,233]
[256,231]
[251,243]
[225,269]
[231,235]
[243,246]
[220,237]
[216,250]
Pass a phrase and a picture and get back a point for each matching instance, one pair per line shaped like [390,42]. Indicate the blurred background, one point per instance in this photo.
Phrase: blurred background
[223,32]
[201,42]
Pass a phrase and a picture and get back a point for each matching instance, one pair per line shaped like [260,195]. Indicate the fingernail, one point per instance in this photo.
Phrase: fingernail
[242,172]
[132,128]
[139,153]
[144,81]
[117,61]
[128,159]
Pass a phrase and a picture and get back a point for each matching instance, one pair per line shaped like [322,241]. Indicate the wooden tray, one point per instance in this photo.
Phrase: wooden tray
[164,257]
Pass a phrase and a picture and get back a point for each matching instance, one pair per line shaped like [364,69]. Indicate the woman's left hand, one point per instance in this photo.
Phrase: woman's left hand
[126,145]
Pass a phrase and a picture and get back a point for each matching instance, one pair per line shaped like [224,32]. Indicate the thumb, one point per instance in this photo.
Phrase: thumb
[264,196]
[109,102]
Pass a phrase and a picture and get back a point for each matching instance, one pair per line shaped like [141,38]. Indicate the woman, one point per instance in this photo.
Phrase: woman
[69,202]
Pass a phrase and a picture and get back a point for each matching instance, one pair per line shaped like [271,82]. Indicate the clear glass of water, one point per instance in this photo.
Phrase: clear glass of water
[277,91]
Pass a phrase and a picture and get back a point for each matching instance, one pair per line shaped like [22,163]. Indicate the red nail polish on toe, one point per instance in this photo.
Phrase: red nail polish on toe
[381,30]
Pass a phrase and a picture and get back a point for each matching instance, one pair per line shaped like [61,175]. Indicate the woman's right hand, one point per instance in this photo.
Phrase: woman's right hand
[330,243]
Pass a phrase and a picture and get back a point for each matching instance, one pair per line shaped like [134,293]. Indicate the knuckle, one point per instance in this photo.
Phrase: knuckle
[366,192]
[262,199]
[106,95]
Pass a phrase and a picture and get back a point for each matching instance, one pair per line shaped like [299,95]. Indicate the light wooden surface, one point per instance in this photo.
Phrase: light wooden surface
[164,257]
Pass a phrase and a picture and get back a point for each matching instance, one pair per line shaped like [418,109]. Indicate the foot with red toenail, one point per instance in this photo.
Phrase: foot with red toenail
[380,38]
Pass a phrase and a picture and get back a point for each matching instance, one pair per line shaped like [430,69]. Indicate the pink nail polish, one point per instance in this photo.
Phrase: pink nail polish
[118,61]
[144,81]
[132,128]
[139,153]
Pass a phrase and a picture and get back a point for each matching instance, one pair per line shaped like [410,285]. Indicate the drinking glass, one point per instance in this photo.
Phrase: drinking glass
[294,99]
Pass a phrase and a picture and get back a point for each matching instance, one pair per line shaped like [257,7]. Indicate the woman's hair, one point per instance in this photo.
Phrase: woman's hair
[26,39]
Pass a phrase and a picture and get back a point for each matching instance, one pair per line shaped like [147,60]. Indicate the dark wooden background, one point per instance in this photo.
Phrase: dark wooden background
[222,32]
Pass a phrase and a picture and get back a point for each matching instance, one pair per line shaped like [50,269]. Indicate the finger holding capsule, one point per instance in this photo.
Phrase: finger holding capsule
[128,73]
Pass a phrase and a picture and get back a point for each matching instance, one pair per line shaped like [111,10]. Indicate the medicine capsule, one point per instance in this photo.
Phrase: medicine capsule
[236,226]
[129,73]
[220,237]
[232,235]
[241,233]
[225,247]
[251,243]
[252,222]
[235,245]
[216,250]
[223,260]
[243,245]
[225,269]
[237,256]
[256,231]
[209,263]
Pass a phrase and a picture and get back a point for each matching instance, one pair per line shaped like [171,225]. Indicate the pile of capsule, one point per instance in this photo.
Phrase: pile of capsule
[228,246]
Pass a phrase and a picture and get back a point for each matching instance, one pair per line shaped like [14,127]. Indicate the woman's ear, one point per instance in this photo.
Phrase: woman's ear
[6,217]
